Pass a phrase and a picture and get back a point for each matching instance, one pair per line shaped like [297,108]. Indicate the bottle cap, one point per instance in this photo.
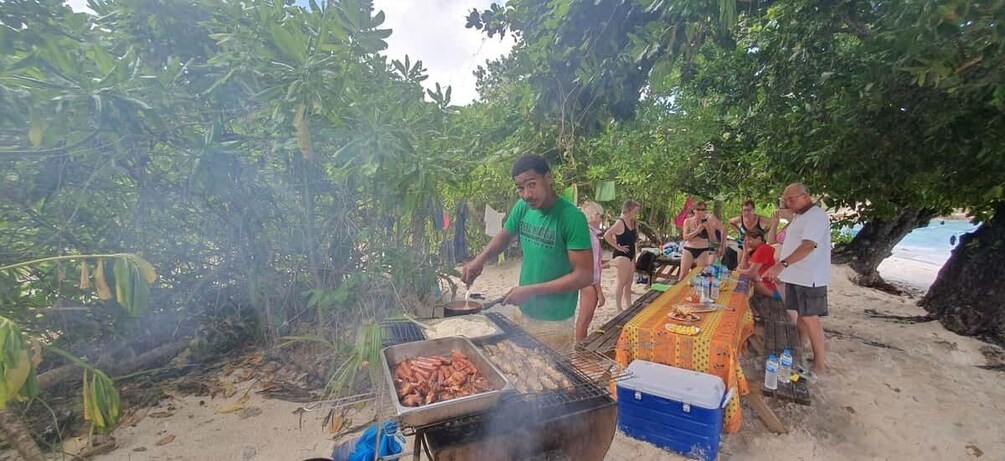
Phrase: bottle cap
[786,351]
[772,357]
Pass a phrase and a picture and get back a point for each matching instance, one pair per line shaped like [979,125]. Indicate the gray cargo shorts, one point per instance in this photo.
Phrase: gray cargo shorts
[806,301]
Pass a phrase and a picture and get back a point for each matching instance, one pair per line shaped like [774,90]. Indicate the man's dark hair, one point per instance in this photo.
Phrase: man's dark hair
[530,162]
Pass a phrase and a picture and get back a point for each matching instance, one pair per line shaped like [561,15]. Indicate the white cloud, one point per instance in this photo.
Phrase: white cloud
[433,31]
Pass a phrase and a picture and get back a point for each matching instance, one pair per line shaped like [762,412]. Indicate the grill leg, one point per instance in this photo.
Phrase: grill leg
[420,435]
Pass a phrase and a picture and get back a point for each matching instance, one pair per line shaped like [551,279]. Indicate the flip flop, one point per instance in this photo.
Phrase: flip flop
[808,375]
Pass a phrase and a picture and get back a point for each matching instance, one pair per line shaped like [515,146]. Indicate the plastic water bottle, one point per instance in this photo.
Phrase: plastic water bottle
[771,373]
[785,366]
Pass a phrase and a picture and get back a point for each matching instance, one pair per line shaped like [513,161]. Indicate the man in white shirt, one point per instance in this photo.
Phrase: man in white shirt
[805,268]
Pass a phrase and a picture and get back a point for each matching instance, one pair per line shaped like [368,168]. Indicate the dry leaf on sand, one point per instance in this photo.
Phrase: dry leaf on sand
[166,440]
[237,405]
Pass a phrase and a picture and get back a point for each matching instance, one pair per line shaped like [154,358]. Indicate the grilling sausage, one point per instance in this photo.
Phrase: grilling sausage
[426,380]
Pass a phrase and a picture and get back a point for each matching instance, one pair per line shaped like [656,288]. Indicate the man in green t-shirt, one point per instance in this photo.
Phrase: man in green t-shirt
[554,239]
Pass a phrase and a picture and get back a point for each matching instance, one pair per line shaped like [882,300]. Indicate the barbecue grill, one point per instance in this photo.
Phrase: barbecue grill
[575,424]
[396,332]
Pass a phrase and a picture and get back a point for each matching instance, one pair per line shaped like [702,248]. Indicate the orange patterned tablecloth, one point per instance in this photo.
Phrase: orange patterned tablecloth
[714,350]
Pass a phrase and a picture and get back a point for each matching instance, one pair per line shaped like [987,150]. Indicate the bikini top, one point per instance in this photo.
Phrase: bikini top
[704,232]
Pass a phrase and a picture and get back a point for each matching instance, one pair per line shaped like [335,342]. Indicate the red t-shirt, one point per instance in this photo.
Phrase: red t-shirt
[764,254]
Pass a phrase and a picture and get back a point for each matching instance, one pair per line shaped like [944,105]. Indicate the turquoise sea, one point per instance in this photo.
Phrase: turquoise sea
[932,244]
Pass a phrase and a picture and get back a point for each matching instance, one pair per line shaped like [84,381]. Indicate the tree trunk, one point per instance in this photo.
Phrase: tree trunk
[113,366]
[967,296]
[875,242]
[16,433]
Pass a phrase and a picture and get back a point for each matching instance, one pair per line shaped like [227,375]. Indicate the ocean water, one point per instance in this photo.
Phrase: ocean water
[931,245]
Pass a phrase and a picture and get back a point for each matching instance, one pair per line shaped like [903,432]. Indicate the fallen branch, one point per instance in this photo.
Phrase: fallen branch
[868,342]
[906,319]
[16,433]
[756,400]
[114,367]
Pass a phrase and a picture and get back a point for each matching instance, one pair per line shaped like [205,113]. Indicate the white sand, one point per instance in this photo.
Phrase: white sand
[926,400]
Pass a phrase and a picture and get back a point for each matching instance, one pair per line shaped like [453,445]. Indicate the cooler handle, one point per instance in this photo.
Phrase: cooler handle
[728,397]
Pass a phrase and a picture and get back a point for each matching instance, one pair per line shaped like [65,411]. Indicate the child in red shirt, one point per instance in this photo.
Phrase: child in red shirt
[757,258]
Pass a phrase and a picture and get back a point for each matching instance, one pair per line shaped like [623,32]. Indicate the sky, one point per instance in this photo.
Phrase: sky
[433,31]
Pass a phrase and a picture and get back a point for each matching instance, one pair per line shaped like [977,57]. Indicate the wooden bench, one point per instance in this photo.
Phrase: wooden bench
[664,268]
[776,333]
[604,340]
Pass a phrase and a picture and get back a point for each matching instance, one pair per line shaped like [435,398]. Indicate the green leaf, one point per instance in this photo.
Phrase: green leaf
[288,43]
[36,131]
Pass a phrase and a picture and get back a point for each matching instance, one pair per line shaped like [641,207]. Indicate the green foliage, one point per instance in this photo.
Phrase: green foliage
[260,153]
[824,95]
[840,235]
[17,371]
[101,400]
[131,277]
[267,157]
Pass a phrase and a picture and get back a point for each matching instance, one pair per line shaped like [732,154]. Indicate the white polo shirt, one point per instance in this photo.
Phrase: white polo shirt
[815,269]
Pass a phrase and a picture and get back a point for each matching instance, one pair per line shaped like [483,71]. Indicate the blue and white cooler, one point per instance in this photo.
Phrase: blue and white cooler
[673,408]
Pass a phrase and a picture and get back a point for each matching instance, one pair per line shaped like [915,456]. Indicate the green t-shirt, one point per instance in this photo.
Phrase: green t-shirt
[546,236]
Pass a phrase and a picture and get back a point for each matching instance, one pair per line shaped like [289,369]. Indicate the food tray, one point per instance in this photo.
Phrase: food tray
[692,330]
[496,331]
[701,308]
[439,411]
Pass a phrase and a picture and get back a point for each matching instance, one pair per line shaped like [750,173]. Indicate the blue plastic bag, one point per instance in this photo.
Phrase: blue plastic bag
[391,443]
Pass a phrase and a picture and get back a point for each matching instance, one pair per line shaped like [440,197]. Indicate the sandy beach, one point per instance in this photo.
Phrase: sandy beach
[922,397]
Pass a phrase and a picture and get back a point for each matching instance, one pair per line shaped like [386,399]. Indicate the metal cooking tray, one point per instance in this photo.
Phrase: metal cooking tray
[496,331]
[434,412]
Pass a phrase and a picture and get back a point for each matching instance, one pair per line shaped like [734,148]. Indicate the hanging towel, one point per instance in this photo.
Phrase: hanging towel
[460,239]
[604,191]
[571,194]
[493,221]
[679,219]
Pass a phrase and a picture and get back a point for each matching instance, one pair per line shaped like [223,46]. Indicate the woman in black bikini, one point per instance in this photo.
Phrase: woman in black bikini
[748,220]
[699,237]
[623,237]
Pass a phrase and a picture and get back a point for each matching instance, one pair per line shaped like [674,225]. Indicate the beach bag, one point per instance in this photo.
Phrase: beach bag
[730,259]
[646,262]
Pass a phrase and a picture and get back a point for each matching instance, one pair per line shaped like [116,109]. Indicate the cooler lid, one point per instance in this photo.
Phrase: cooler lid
[698,389]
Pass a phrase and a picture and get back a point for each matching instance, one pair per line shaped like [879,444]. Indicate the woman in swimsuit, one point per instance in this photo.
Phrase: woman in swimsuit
[623,236]
[699,237]
[748,220]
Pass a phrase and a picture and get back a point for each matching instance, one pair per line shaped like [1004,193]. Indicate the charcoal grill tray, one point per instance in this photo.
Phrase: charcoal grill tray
[478,426]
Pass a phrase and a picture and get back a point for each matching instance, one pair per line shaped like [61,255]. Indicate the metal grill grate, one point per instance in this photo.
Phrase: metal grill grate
[584,387]
[395,332]
[597,367]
